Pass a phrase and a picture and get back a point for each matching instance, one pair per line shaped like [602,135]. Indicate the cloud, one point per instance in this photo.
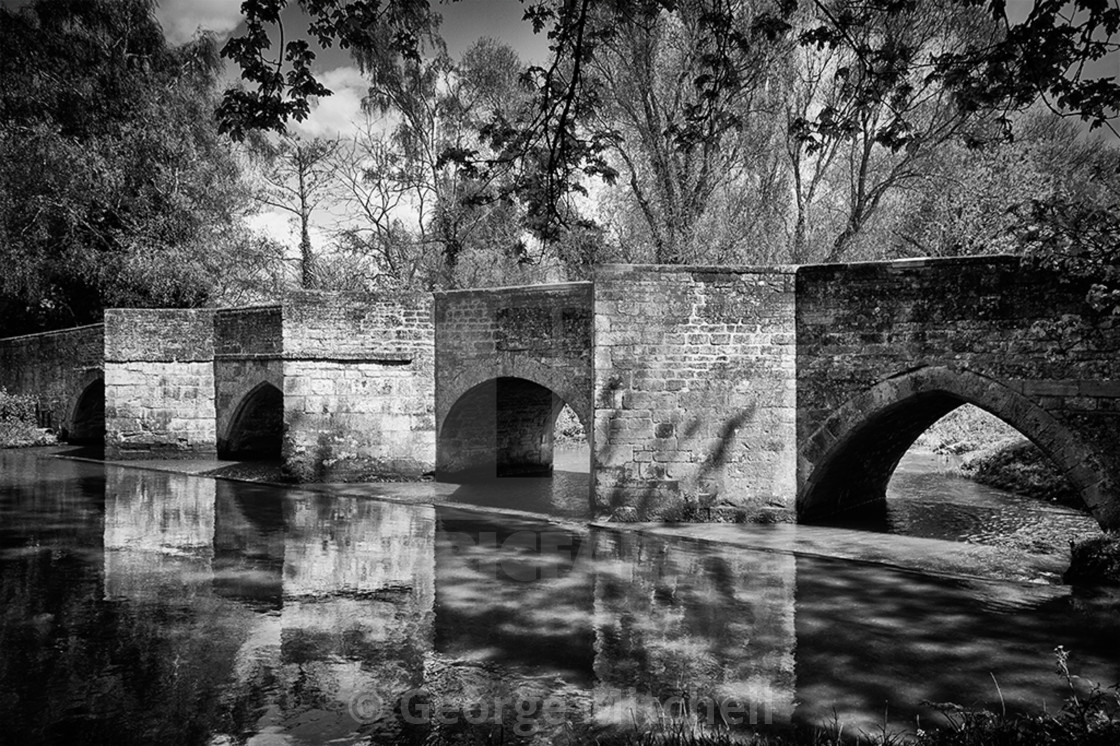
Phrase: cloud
[182,18]
[336,115]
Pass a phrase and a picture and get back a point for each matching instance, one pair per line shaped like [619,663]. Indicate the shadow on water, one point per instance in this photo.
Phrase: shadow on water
[565,493]
[147,607]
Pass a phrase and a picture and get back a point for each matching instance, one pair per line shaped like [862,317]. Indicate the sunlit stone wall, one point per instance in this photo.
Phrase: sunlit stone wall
[886,348]
[159,383]
[694,391]
[55,368]
[358,385]
[538,334]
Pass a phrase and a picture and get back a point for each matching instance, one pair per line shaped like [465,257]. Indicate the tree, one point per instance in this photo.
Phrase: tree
[849,147]
[704,174]
[298,177]
[1046,55]
[401,175]
[975,200]
[115,185]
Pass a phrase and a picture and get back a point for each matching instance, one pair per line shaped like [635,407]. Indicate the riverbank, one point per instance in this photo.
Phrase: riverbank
[1088,716]
[991,452]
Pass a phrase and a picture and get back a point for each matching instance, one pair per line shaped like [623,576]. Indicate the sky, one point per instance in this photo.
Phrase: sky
[464,22]
[340,114]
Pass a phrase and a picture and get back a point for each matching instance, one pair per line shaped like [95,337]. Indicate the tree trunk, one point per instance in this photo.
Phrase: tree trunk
[306,259]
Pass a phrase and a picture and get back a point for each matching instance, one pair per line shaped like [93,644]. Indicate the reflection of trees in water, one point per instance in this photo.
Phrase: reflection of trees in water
[697,621]
[93,651]
[247,613]
[354,617]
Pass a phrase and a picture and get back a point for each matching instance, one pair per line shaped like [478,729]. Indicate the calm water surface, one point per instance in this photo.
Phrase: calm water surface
[146,607]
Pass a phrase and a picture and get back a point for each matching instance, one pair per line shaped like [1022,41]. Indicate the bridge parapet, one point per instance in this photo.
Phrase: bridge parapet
[56,368]
[159,382]
[358,385]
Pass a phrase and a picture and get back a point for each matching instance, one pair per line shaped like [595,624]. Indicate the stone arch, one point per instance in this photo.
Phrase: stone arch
[846,463]
[561,382]
[255,429]
[86,418]
[501,426]
[232,390]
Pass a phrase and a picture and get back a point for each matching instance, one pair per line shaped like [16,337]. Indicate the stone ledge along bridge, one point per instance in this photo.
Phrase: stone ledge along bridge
[787,390]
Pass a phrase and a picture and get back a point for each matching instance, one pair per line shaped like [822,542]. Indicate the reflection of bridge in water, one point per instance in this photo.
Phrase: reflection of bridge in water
[785,391]
[269,612]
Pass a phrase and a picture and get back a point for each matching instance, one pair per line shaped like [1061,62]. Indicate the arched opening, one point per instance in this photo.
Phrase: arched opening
[256,431]
[87,425]
[849,461]
[975,445]
[504,427]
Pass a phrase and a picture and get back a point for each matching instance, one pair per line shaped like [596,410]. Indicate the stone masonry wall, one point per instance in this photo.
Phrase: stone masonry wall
[503,356]
[540,333]
[248,345]
[55,368]
[694,390]
[898,344]
[358,376]
[159,383]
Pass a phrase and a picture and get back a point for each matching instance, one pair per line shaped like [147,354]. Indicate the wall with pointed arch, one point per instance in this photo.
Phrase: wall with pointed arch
[885,348]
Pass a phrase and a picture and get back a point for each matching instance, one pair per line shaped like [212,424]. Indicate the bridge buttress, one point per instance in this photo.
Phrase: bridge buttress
[694,392]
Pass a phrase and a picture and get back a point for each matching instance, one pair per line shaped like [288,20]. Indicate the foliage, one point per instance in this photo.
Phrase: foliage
[1050,194]
[568,429]
[298,177]
[1081,241]
[701,185]
[18,421]
[1044,55]
[425,218]
[1021,467]
[1089,717]
[994,453]
[115,184]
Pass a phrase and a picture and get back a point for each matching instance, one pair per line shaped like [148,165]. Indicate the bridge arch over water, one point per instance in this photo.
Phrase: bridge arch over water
[847,463]
[776,393]
[503,426]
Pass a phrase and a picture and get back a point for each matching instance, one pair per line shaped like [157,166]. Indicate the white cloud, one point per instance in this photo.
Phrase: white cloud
[336,115]
[182,18]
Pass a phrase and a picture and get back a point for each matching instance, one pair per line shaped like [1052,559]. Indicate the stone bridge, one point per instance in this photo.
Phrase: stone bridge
[789,391]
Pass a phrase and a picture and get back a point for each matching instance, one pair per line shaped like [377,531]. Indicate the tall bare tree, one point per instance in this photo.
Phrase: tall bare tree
[700,168]
[298,179]
[849,145]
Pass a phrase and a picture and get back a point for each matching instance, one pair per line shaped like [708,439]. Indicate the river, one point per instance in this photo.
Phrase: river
[144,606]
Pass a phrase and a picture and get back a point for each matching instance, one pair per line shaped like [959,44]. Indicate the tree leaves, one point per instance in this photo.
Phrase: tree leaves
[113,179]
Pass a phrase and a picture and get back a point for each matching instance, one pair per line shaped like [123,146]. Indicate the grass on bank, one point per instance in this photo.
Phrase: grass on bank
[1089,718]
[995,454]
